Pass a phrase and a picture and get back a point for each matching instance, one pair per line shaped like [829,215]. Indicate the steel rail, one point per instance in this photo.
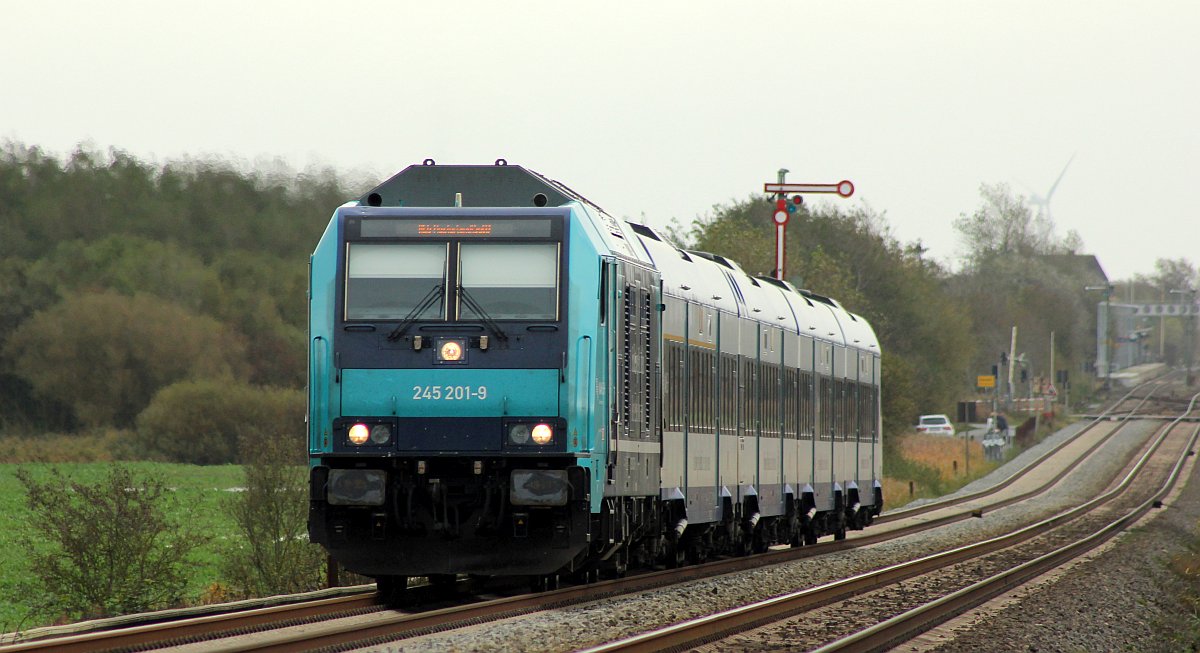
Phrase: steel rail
[913,622]
[192,627]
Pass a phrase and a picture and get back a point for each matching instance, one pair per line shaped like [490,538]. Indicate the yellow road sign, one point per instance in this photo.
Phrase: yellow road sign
[985,381]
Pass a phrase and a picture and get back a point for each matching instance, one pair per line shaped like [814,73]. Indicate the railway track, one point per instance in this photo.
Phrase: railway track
[882,608]
[356,620]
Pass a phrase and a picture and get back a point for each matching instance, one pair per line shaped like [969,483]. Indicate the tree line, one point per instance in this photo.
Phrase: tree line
[131,292]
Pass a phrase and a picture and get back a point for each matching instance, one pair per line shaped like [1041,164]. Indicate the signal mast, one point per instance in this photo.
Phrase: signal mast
[784,208]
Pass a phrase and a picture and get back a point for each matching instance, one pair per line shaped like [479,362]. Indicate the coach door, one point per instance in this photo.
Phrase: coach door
[749,381]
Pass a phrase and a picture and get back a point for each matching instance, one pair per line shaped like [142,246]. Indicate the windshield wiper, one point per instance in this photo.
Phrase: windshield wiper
[411,318]
[483,316]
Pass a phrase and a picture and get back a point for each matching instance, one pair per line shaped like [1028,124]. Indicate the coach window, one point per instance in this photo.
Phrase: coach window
[805,384]
[517,281]
[825,409]
[389,282]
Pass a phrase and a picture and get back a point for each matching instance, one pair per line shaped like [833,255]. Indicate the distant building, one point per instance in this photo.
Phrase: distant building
[1087,271]
[1084,267]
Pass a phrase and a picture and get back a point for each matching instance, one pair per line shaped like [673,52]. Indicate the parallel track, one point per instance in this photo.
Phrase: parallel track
[1059,538]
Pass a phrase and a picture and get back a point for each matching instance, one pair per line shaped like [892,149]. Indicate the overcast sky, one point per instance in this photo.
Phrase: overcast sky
[656,109]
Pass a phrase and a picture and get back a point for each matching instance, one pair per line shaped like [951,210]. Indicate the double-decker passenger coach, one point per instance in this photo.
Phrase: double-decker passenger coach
[506,380]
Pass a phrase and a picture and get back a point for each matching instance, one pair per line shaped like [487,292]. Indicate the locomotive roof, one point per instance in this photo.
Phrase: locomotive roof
[501,184]
[497,185]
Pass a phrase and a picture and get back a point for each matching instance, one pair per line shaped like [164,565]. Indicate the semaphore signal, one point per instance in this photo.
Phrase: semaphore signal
[844,188]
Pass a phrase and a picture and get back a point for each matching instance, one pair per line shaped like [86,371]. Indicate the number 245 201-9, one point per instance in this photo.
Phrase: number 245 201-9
[449,392]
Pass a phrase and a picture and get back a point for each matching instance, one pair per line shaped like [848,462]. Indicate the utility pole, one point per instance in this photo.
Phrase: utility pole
[1051,371]
[1187,294]
[1162,333]
[1190,335]
[1012,363]
[1103,327]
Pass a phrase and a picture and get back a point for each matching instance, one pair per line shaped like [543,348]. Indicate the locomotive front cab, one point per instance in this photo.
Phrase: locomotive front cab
[444,439]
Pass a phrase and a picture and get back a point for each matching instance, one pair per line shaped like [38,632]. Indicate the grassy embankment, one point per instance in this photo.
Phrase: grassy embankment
[934,464]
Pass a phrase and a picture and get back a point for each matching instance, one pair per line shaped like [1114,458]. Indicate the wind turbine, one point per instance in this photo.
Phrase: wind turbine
[1043,203]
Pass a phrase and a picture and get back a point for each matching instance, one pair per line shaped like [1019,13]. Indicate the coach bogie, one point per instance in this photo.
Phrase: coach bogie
[391,589]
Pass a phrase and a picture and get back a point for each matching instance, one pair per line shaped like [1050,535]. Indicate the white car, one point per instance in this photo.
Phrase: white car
[935,425]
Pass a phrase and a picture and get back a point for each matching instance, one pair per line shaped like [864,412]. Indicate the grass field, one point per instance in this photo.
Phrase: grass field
[934,464]
[200,491]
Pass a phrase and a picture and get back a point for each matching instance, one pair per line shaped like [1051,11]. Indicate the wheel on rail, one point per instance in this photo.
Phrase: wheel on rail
[391,589]
[585,576]
[741,547]
[676,554]
[867,516]
[443,583]
[759,543]
[796,535]
[616,565]
[543,582]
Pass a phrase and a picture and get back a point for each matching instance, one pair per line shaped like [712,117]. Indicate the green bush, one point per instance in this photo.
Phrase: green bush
[274,555]
[201,422]
[100,445]
[104,549]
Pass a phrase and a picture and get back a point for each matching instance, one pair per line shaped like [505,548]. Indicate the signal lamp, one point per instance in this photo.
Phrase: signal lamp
[543,434]
[359,433]
[518,434]
[380,434]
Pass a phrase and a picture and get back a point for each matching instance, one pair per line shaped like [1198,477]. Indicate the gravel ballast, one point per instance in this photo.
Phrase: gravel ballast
[1125,598]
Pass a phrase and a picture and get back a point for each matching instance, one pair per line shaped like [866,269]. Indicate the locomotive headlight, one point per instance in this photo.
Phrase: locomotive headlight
[380,434]
[359,433]
[451,351]
[543,434]
[518,434]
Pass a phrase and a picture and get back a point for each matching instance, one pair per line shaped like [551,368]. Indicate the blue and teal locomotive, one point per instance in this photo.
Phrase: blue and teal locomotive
[506,380]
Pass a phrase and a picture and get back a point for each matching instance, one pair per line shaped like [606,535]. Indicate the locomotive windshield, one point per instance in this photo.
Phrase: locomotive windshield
[494,281]
[389,282]
[509,281]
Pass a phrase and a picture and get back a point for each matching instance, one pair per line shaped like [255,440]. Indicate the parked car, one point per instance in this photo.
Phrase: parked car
[935,425]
